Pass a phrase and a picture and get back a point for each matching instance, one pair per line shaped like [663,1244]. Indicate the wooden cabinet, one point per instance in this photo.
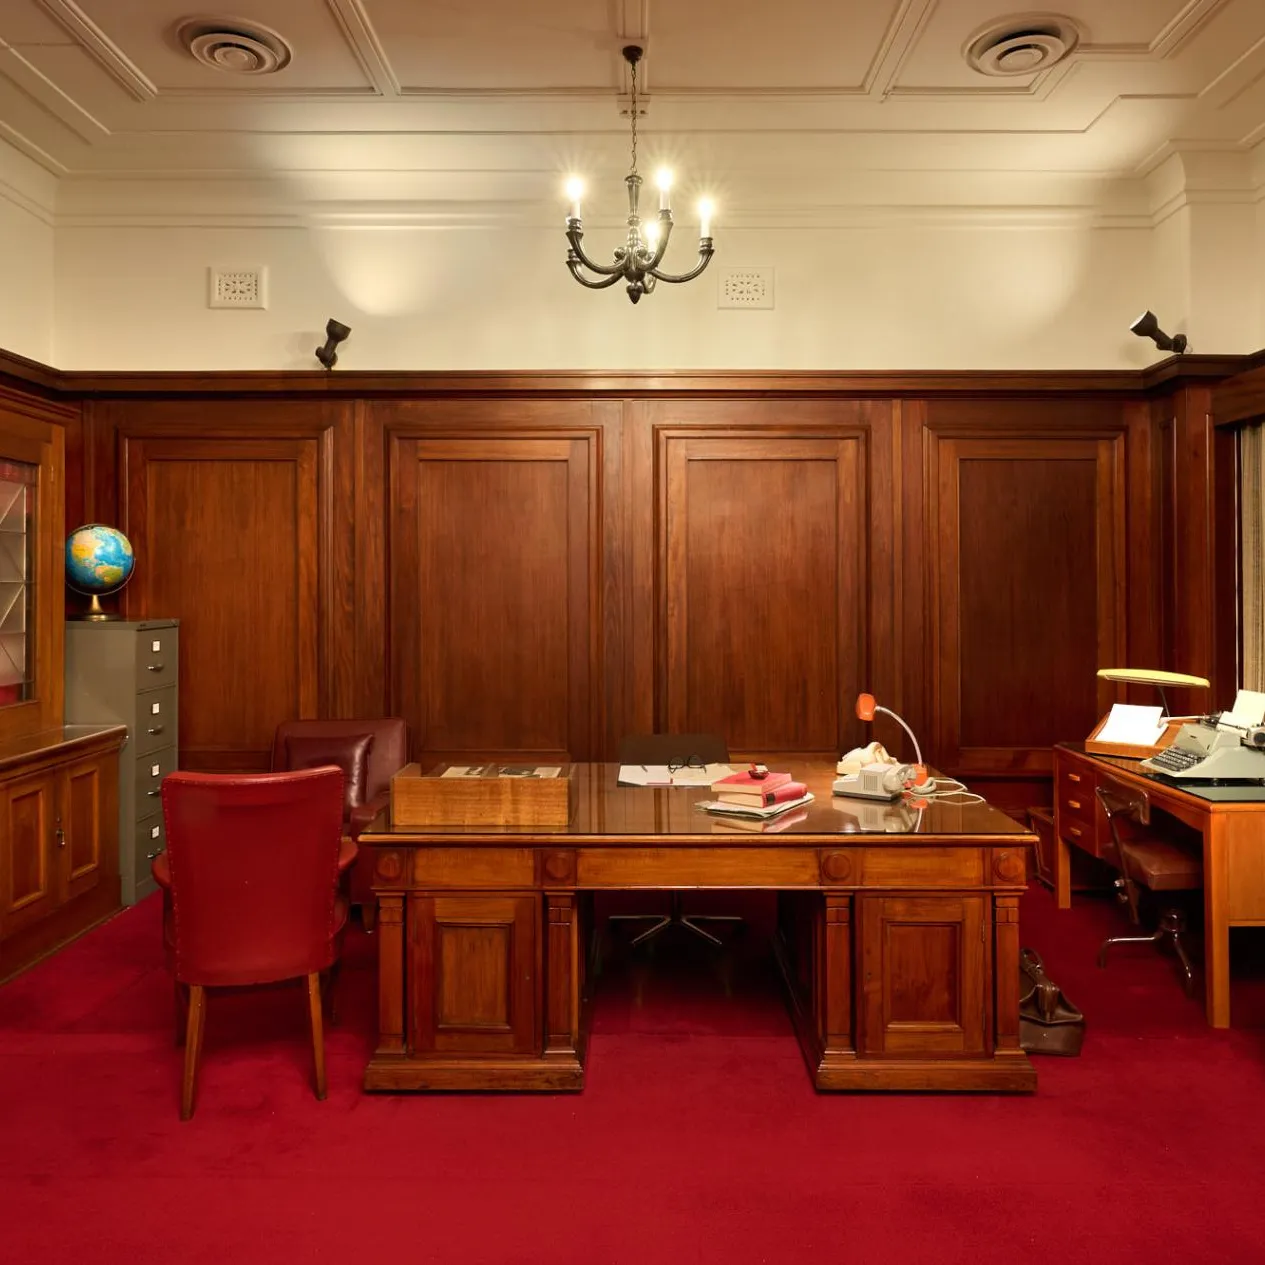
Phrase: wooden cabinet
[126,673]
[924,974]
[475,976]
[58,839]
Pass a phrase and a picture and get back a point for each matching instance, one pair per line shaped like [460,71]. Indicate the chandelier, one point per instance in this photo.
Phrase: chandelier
[638,260]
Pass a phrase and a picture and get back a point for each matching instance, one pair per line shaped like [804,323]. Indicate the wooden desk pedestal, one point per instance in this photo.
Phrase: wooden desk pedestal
[900,951]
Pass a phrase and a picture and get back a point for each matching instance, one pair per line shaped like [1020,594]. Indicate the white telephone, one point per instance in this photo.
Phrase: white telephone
[870,773]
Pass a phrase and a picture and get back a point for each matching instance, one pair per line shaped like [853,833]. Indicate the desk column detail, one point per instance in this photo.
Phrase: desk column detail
[390,971]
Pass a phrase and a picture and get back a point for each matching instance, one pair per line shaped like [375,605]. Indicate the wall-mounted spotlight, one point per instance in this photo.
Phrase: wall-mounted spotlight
[1146,326]
[335,333]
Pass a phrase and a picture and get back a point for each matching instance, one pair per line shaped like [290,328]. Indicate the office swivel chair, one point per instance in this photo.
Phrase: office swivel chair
[670,749]
[1146,860]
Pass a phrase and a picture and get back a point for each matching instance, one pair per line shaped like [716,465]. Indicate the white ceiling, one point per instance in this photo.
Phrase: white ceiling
[484,104]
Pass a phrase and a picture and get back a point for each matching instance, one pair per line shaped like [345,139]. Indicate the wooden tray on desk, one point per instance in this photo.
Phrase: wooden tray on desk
[430,799]
[1128,751]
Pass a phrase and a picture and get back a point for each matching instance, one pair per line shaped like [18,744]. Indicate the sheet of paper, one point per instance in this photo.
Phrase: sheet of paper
[1248,710]
[1137,726]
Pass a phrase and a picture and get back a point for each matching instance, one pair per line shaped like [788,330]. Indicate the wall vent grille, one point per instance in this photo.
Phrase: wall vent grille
[746,287]
[239,287]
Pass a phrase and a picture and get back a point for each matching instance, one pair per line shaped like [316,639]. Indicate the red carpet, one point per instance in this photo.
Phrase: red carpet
[698,1138]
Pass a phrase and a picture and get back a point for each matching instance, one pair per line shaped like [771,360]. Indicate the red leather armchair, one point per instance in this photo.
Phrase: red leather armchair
[368,768]
[250,880]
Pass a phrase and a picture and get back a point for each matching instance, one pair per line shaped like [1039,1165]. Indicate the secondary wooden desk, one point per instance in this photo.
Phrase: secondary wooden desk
[1233,851]
[898,934]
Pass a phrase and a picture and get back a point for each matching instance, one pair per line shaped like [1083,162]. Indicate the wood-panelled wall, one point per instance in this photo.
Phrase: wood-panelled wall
[524,571]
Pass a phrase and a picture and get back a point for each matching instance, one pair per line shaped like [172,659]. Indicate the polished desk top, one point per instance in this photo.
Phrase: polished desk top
[606,810]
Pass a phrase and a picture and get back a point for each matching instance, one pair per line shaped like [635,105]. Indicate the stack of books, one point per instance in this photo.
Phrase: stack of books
[743,795]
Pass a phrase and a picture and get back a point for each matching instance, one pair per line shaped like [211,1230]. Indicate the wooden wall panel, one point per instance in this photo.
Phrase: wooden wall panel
[232,513]
[244,584]
[1026,551]
[535,575]
[763,597]
[495,584]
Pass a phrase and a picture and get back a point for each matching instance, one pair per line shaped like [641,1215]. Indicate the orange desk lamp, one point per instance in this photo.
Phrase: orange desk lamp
[866,709]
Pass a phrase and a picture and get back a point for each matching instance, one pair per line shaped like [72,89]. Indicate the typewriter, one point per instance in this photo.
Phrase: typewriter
[1212,750]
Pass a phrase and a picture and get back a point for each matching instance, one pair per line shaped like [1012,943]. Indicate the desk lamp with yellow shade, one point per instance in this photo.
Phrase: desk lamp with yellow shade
[1098,741]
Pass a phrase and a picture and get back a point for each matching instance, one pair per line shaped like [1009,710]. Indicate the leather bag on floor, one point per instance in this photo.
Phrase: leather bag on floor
[1048,1022]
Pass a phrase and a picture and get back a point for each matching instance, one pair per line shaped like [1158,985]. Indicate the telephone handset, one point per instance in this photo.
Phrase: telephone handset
[874,753]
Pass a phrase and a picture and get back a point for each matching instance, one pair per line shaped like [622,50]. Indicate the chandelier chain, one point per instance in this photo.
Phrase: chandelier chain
[634,118]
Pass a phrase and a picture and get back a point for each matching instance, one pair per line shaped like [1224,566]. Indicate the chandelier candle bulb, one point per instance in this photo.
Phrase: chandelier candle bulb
[664,181]
[705,218]
[575,191]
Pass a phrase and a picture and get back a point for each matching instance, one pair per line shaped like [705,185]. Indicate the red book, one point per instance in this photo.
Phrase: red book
[745,782]
[762,799]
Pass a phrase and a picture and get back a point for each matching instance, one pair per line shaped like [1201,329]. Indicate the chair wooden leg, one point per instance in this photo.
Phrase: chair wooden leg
[318,1031]
[193,1048]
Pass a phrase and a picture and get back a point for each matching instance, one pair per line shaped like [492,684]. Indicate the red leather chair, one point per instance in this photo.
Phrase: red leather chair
[250,881]
[369,752]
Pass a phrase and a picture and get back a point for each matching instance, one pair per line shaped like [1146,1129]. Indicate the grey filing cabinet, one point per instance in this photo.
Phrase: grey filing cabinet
[125,673]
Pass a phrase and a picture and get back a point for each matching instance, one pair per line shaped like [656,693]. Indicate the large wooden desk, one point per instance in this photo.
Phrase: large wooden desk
[1233,851]
[898,935]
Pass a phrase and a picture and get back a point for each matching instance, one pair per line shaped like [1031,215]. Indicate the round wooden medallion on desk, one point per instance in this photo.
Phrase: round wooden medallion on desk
[389,866]
[1009,866]
[558,867]
[836,867]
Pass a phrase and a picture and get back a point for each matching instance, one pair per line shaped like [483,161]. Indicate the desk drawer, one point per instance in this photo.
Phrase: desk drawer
[1076,794]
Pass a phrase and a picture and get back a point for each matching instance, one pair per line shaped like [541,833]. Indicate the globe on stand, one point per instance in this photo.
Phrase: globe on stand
[99,561]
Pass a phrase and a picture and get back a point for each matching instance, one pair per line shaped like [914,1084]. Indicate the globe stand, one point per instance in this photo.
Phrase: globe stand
[96,614]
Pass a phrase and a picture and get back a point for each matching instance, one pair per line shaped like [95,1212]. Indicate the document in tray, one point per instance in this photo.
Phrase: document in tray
[719,808]
[1132,725]
[502,770]
[671,775]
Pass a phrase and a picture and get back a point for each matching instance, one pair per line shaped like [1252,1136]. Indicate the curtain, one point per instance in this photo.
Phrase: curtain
[1252,500]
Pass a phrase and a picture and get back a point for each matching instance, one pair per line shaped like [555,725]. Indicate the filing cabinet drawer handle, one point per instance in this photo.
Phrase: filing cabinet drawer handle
[151,794]
[1074,830]
[1073,777]
[154,667]
[1073,803]
[157,729]
[149,856]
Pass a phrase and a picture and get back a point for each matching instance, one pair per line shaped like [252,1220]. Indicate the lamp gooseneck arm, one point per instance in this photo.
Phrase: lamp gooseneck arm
[887,711]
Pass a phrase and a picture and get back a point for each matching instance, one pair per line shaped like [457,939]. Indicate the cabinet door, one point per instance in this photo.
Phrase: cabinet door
[85,804]
[29,848]
[474,974]
[924,962]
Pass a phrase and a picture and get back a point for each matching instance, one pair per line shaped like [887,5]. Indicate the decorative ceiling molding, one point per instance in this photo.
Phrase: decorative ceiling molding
[363,40]
[52,97]
[108,54]
[28,204]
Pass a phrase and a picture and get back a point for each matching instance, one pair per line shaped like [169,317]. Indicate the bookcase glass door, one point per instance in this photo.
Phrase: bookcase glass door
[18,483]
